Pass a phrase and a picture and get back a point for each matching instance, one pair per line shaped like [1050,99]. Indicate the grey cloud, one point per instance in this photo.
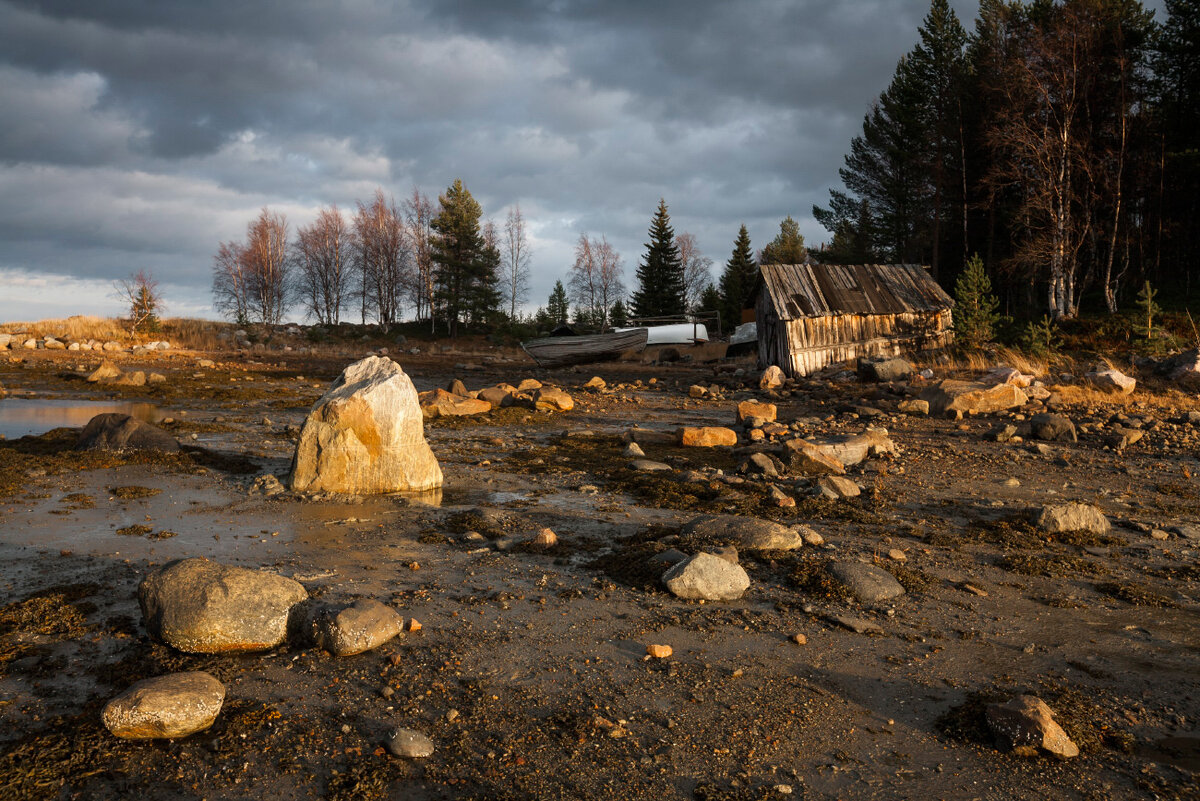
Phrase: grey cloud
[144,132]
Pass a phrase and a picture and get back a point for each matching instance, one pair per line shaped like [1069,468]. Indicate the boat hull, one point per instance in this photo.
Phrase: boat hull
[562,351]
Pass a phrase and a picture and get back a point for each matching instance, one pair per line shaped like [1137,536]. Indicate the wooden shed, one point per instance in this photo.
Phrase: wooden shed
[813,315]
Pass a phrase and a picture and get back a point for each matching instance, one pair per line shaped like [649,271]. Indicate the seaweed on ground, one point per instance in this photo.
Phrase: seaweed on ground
[1136,594]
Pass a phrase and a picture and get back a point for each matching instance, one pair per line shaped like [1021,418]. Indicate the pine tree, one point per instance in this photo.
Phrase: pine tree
[1147,308]
[618,315]
[661,291]
[461,259]
[710,301]
[939,65]
[975,306]
[558,307]
[787,247]
[737,281]
[906,163]
[483,298]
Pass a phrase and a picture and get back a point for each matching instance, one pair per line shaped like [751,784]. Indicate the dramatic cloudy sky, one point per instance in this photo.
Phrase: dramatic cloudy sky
[138,134]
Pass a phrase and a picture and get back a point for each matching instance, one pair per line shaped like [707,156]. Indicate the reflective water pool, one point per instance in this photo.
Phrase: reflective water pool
[22,416]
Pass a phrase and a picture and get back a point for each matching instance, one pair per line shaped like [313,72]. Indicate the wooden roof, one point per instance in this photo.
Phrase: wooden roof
[817,290]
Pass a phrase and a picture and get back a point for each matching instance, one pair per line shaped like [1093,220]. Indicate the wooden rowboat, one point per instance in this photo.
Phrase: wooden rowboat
[561,351]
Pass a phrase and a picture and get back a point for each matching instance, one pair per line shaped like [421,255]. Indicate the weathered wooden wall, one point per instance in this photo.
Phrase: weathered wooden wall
[807,344]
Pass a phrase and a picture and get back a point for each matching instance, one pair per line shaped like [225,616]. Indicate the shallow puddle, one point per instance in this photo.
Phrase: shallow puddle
[21,417]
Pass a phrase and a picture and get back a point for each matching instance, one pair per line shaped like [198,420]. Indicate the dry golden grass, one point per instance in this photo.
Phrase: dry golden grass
[1171,400]
[182,332]
[79,327]
[193,334]
[980,362]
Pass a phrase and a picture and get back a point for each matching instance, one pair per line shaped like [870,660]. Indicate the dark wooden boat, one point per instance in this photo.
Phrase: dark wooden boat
[561,351]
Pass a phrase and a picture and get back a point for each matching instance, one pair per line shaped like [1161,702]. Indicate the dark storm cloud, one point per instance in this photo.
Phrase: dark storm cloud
[142,133]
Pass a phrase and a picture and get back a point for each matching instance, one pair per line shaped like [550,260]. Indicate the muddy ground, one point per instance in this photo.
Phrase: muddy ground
[530,672]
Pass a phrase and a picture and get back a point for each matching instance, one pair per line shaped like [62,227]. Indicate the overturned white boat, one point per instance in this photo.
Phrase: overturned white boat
[674,334]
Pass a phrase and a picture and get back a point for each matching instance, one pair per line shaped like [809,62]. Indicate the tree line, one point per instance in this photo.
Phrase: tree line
[1057,140]
[453,270]
[440,261]
[674,278]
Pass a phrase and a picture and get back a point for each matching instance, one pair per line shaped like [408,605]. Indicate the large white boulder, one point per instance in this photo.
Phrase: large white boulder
[365,436]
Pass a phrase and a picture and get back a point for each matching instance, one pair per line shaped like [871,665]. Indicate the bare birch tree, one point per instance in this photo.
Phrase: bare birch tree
[267,268]
[418,214]
[383,260]
[595,282]
[612,287]
[697,269]
[585,281]
[1039,137]
[515,254]
[231,294]
[324,255]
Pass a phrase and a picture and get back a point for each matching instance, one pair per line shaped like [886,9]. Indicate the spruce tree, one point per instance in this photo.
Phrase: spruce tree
[558,307]
[483,297]
[975,306]
[618,315]
[906,163]
[1147,309]
[939,63]
[787,247]
[710,301]
[461,258]
[661,290]
[737,281]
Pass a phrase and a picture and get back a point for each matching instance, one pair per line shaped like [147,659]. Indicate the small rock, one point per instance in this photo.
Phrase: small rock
[546,538]
[707,437]
[914,406]
[748,533]
[205,607]
[762,411]
[1052,428]
[808,458]
[809,536]
[1073,517]
[897,555]
[633,451]
[884,369]
[659,651]
[1026,724]
[170,706]
[552,400]
[410,744]
[837,487]
[868,583]
[648,466]
[107,371]
[355,629]
[799,639]
[268,485]
[708,577]
[857,624]
[771,378]
[1111,380]
[761,463]
[117,432]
